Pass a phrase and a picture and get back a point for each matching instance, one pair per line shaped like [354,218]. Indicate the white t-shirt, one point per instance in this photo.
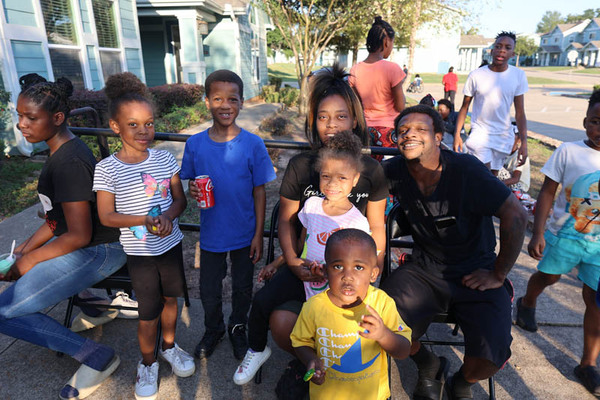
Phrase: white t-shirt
[493,93]
[138,188]
[319,226]
[512,164]
[576,166]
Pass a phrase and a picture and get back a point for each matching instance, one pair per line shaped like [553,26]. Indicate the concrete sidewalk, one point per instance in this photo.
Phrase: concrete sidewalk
[541,366]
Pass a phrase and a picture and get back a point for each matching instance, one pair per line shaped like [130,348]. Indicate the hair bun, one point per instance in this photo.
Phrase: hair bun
[30,79]
[125,83]
[378,20]
[64,86]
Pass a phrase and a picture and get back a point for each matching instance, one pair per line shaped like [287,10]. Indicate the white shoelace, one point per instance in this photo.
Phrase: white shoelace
[147,376]
[180,357]
[247,359]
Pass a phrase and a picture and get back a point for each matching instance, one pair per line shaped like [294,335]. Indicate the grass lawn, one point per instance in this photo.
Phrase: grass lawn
[534,80]
[285,71]
[593,71]
[19,176]
[550,68]
[538,155]
[437,78]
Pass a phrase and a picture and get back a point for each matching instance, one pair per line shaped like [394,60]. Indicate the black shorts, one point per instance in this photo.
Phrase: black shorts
[484,317]
[153,277]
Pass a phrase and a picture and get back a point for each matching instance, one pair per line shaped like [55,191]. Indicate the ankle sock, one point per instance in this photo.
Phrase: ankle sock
[427,363]
[460,386]
[94,355]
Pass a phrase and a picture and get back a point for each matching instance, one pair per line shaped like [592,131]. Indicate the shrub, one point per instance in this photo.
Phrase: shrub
[597,87]
[166,97]
[89,98]
[289,96]
[274,81]
[182,117]
[270,94]
[114,145]
[276,125]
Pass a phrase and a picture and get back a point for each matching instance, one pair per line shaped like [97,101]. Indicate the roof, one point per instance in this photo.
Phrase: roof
[474,40]
[552,49]
[595,43]
[576,45]
[565,27]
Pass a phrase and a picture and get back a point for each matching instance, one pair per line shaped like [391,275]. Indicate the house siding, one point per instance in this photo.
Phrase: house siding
[19,12]
[127,19]
[134,64]
[94,70]
[246,58]
[218,44]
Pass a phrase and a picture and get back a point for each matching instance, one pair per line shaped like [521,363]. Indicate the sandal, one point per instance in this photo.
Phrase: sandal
[450,391]
[526,317]
[86,380]
[590,378]
[433,389]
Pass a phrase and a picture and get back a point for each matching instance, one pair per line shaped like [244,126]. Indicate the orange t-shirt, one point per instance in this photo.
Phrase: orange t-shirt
[374,83]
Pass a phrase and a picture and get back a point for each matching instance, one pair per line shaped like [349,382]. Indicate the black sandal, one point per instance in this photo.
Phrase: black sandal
[526,317]
[590,378]
[450,391]
[433,389]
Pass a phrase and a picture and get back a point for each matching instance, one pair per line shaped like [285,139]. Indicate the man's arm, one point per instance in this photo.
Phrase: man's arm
[521,126]
[513,221]
[460,121]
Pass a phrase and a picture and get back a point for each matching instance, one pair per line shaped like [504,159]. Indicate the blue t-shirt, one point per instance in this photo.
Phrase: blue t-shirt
[235,168]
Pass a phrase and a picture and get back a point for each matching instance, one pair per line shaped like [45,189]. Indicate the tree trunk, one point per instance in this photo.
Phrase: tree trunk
[303,100]
[517,62]
[413,39]
[355,54]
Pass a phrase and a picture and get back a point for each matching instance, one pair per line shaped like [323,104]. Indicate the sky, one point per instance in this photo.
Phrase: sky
[522,16]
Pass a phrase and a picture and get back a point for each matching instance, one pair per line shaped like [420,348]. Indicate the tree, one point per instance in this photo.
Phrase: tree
[308,26]
[549,21]
[525,47]
[587,14]
[471,31]
[276,42]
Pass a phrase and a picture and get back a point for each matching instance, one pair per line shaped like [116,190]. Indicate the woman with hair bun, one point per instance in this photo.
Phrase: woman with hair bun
[71,251]
[379,84]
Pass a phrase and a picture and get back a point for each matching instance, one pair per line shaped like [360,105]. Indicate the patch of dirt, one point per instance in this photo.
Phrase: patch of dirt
[191,249]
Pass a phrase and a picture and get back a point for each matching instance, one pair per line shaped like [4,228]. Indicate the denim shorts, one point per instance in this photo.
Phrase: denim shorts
[561,255]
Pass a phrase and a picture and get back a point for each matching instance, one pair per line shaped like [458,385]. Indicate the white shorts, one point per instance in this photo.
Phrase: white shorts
[486,155]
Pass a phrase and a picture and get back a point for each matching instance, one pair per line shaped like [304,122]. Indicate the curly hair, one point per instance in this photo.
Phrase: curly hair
[438,122]
[342,146]
[594,99]
[379,31]
[124,88]
[327,82]
[510,35]
[51,96]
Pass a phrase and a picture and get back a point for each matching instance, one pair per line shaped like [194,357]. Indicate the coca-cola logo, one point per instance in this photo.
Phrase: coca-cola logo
[209,185]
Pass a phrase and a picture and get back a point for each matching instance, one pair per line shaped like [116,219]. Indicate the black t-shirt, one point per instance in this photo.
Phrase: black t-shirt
[453,228]
[67,176]
[301,181]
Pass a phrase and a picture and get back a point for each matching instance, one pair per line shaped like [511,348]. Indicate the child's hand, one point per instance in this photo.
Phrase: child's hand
[256,248]
[373,325]
[193,189]
[319,376]
[308,271]
[163,224]
[318,271]
[536,246]
[267,272]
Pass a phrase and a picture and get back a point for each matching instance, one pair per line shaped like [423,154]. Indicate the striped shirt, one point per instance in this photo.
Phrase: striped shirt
[140,189]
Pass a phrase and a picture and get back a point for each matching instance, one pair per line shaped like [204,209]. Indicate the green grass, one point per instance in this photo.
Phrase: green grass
[285,71]
[437,78]
[534,80]
[550,68]
[538,155]
[592,71]
[19,177]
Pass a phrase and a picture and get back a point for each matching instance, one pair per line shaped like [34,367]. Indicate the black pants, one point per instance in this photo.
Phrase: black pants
[213,269]
[283,287]
[450,95]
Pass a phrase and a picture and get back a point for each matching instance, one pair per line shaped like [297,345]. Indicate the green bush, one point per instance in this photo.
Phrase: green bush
[168,97]
[182,117]
[289,96]
[274,81]
[597,87]
[114,145]
[270,94]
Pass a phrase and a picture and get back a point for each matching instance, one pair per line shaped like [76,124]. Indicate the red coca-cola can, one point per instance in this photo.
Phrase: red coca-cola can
[206,195]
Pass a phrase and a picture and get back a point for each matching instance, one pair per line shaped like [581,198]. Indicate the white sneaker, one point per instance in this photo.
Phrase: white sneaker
[123,299]
[250,365]
[146,382]
[181,362]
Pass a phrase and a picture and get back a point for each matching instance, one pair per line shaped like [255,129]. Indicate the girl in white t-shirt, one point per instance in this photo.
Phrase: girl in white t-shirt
[339,165]
[139,191]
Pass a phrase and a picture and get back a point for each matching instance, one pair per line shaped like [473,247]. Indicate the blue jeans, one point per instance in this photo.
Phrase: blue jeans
[48,283]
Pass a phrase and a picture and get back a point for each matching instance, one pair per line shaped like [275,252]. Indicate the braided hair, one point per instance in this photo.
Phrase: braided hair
[379,31]
[343,146]
[124,88]
[51,96]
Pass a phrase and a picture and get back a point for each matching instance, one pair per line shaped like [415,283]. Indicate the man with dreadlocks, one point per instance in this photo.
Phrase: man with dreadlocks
[572,237]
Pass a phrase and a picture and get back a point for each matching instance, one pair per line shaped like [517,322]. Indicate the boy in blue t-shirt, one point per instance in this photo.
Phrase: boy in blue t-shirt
[238,164]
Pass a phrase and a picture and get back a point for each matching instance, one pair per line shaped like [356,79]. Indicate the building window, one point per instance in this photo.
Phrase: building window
[111,63]
[66,63]
[591,36]
[58,18]
[105,23]
[555,40]
[544,41]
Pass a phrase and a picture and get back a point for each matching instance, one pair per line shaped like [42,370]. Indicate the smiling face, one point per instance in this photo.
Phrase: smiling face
[224,103]
[35,123]
[416,137]
[135,124]
[591,123]
[351,268]
[333,116]
[337,178]
[503,50]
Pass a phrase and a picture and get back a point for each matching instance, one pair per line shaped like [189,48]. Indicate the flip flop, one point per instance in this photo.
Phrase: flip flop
[83,322]
[590,378]
[86,380]
[433,389]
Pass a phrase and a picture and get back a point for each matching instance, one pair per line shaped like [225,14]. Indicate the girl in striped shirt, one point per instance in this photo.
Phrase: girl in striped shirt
[139,191]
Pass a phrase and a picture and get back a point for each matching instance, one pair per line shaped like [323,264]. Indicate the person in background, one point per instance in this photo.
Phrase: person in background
[450,82]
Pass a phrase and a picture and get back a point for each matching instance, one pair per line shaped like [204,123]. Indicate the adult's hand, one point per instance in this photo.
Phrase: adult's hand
[483,279]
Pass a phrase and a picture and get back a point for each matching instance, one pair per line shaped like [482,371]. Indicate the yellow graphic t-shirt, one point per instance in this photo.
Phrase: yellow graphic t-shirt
[356,368]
